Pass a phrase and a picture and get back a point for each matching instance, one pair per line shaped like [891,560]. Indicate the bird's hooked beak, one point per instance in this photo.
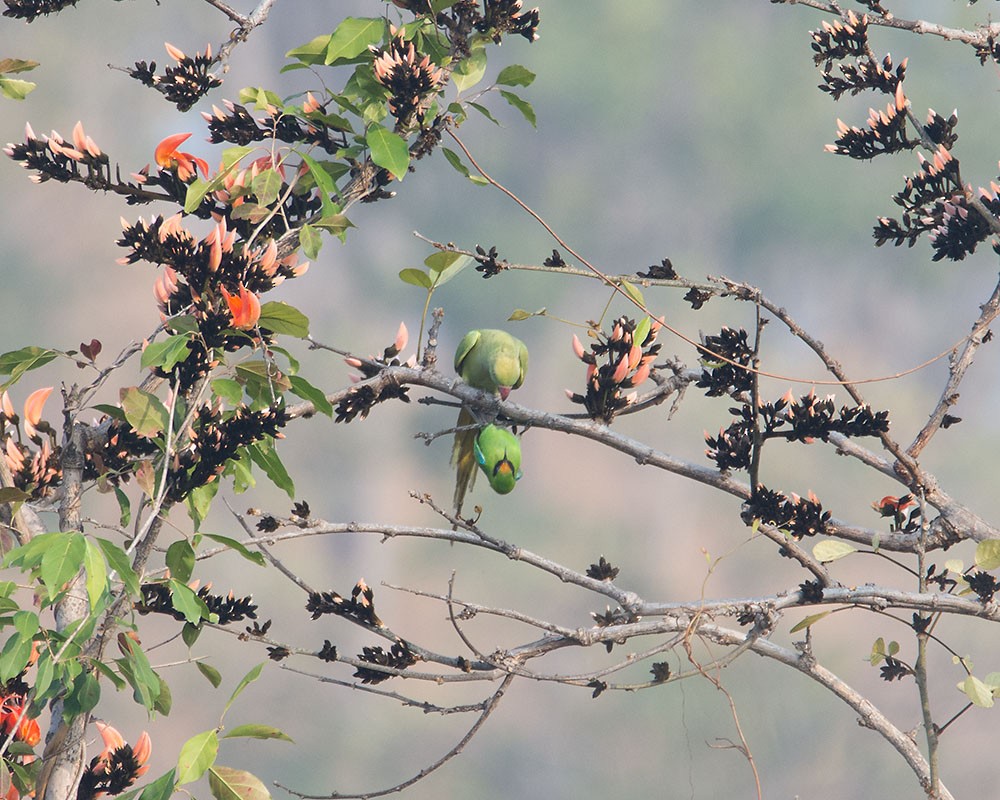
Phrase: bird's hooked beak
[504,392]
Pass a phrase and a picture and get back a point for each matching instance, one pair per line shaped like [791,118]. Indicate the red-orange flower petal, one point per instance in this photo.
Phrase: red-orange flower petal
[33,409]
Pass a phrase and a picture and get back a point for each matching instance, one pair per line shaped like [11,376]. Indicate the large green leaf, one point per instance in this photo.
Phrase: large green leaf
[62,560]
[226,783]
[144,411]
[283,318]
[515,75]
[388,150]
[352,38]
[197,755]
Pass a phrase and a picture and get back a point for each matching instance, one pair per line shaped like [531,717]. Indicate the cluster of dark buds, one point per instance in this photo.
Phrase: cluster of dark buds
[920,623]
[935,203]
[984,585]
[360,607]
[502,17]
[839,40]
[184,84]
[941,579]
[810,418]
[117,767]
[215,440]
[812,591]
[54,158]
[598,686]
[886,133]
[602,570]
[157,598]
[399,657]
[664,271]
[360,400]
[799,516]
[115,462]
[555,260]
[660,671]
[725,360]
[893,669]
[867,73]
[28,10]
[487,261]
[237,126]
[411,78]
[627,354]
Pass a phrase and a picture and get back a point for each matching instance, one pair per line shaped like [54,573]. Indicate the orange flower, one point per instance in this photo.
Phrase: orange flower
[33,409]
[113,741]
[169,157]
[245,308]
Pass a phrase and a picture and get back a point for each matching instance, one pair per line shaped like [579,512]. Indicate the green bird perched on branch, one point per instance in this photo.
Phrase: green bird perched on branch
[495,362]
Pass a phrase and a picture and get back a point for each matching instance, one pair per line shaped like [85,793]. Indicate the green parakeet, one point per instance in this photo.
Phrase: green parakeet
[498,452]
[493,361]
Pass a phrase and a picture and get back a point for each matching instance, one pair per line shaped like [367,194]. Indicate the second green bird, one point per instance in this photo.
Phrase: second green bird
[496,362]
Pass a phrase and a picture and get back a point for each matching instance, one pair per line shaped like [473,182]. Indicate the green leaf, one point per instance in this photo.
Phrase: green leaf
[633,292]
[878,651]
[229,390]
[809,621]
[164,700]
[267,459]
[515,75]
[283,318]
[97,572]
[184,600]
[266,186]
[124,507]
[470,70]
[249,678]
[160,789]
[254,731]
[136,669]
[988,554]
[144,411]
[211,673]
[180,560]
[17,649]
[352,37]
[197,755]
[110,674]
[10,66]
[978,692]
[388,150]
[831,550]
[236,784]
[15,89]
[456,161]
[305,390]
[190,634]
[199,501]
[118,561]
[11,494]
[521,105]
[166,354]
[445,275]
[313,52]
[324,182]
[442,259]
[415,277]
[62,560]
[83,697]
[196,192]
[335,224]
[17,362]
[238,547]
[485,112]
[519,314]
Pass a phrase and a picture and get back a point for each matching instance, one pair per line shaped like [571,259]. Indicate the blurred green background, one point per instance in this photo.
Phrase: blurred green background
[685,130]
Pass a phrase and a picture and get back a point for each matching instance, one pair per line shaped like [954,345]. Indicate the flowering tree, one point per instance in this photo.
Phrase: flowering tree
[220,386]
